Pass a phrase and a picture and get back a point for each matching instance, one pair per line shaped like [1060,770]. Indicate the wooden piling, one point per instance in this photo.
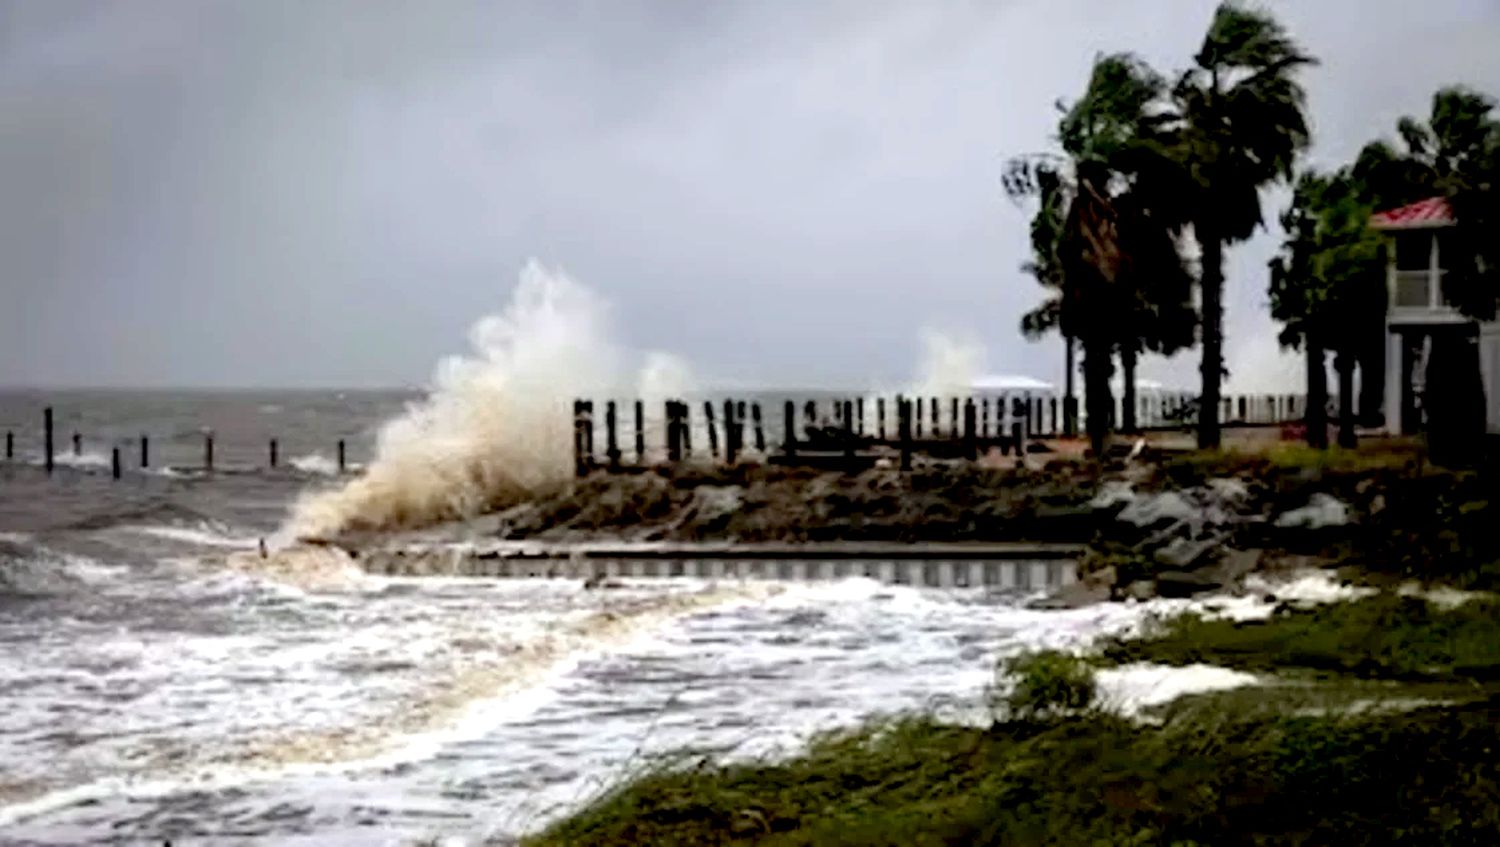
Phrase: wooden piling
[915,412]
[849,433]
[10,445]
[903,426]
[588,431]
[957,432]
[77,444]
[47,437]
[674,438]
[934,407]
[880,417]
[731,443]
[640,433]
[580,467]
[685,417]
[789,427]
[1070,416]
[860,403]
[114,462]
[342,463]
[272,452]
[611,436]
[984,417]
[1244,409]
[145,451]
[208,452]
[760,429]
[971,442]
[1052,414]
[740,416]
[810,413]
[713,434]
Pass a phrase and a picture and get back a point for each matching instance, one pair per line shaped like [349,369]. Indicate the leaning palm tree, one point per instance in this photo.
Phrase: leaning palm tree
[1095,239]
[1241,126]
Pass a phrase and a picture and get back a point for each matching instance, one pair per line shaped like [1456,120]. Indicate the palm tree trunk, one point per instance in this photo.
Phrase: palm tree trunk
[1316,418]
[1127,365]
[1098,398]
[1070,396]
[1344,363]
[1212,368]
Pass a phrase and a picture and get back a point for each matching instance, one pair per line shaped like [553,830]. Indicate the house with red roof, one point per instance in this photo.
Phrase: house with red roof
[1432,351]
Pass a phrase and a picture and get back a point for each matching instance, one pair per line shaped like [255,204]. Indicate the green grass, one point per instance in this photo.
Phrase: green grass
[1199,778]
[1380,637]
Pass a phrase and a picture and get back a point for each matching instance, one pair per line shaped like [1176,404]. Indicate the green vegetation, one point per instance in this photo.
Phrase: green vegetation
[1381,637]
[1144,165]
[1044,685]
[1228,779]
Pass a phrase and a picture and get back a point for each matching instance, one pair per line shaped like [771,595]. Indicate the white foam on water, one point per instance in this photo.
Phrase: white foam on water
[1130,689]
[472,707]
[40,570]
[87,460]
[316,464]
[264,704]
[1309,588]
[1443,596]
[202,535]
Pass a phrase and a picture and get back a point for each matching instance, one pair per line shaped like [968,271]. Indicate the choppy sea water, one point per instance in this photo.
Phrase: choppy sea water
[153,691]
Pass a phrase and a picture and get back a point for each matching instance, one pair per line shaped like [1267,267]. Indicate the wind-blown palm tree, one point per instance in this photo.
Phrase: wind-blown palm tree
[1241,126]
[1096,241]
[1327,289]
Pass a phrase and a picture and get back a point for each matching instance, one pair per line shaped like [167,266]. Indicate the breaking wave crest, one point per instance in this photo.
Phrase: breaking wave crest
[496,428]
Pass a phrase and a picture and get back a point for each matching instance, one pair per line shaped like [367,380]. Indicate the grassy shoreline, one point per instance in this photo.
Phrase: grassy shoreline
[1378,719]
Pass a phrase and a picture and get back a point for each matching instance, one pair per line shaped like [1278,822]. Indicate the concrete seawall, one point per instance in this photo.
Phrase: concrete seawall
[1012,566]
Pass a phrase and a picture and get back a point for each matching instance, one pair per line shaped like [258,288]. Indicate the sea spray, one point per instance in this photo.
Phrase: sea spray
[950,363]
[496,428]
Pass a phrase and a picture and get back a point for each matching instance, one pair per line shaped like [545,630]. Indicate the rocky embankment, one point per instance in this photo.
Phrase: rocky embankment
[1155,525]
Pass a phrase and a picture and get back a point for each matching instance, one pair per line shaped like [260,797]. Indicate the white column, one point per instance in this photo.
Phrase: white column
[1394,390]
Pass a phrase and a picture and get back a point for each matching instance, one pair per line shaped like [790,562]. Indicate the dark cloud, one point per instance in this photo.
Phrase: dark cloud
[320,193]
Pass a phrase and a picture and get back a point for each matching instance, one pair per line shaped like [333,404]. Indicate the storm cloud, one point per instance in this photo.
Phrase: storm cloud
[785,193]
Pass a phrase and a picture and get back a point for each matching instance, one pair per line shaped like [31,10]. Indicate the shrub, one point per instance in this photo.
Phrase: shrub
[1045,684]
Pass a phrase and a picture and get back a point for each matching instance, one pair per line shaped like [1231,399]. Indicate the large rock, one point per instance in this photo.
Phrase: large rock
[1185,583]
[1184,553]
[1074,596]
[1229,489]
[1151,509]
[1113,493]
[1322,510]
[1234,565]
[1069,523]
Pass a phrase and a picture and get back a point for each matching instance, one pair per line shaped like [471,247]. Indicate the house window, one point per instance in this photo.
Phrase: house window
[1414,289]
[1414,250]
[1419,275]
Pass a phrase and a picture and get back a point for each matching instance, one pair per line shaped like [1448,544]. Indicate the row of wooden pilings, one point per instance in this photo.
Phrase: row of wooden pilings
[839,426]
[844,433]
[49,454]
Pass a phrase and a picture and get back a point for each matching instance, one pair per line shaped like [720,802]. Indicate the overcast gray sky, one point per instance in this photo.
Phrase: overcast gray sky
[329,193]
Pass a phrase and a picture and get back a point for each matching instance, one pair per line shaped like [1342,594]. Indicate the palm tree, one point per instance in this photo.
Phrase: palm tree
[1241,126]
[1095,239]
[1327,289]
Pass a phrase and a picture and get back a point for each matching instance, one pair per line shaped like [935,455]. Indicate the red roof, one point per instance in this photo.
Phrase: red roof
[1434,211]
